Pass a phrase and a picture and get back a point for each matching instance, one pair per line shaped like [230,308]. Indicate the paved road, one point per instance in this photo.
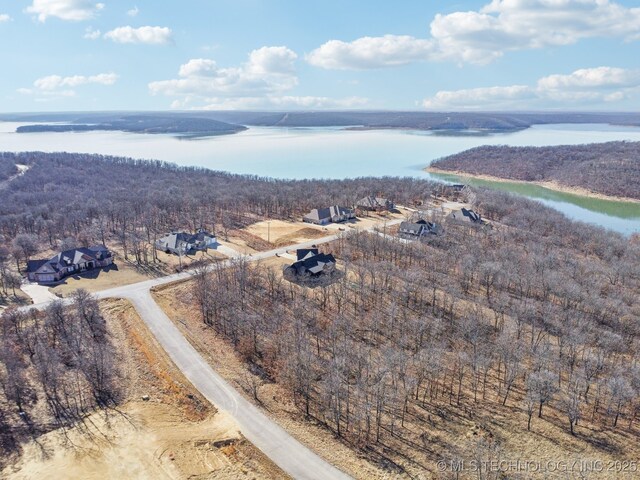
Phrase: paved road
[284,450]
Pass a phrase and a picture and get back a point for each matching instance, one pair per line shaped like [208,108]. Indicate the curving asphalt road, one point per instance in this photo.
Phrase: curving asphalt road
[285,451]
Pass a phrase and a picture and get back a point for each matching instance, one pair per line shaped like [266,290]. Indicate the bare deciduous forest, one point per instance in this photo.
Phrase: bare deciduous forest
[537,319]
[67,199]
[56,367]
[611,168]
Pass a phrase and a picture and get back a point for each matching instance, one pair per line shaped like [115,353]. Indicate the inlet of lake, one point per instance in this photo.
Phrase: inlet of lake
[338,153]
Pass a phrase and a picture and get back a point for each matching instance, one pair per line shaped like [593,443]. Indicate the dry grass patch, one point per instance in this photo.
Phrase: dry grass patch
[274,230]
[116,275]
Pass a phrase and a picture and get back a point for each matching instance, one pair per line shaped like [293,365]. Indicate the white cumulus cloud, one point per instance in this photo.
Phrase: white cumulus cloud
[72,10]
[268,70]
[53,82]
[4,17]
[91,34]
[599,77]
[484,97]
[481,36]
[133,12]
[148,35]
[582,88]
[288,102]
[263,81]
[59,86]
[371,52]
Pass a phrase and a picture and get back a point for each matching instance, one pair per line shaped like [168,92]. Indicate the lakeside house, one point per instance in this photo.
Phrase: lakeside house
[450,191]
[310,265]
[69,262]
[376,204]
[465,216]
[335,214]
[182,243]
[420,228]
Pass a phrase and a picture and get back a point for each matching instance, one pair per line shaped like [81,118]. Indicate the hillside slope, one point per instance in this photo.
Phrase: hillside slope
[611,168]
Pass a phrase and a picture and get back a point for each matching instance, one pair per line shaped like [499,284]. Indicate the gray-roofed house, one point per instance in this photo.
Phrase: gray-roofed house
[69,262]
[453,190]
[465,216]
[181,243]
[335,213]
[310,265]
[375,204]
[420,228]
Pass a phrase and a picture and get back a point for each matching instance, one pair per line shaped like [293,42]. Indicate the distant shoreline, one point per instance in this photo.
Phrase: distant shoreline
[550,185]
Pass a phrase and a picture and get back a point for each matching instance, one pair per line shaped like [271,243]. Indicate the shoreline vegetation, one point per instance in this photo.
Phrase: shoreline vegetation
[606,171]
[225,122]
[185,126]
[548,184]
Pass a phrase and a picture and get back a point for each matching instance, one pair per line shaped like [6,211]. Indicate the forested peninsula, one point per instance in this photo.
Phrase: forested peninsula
[609,169]
[184,126]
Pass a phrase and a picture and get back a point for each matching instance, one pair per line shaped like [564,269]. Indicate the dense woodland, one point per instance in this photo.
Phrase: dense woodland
[56,367]
[78,199]
[7,169]
[538,315]
[611,168]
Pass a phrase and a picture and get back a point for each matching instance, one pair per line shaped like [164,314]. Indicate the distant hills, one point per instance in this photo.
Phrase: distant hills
[190,126]
[226,122]
[611,168]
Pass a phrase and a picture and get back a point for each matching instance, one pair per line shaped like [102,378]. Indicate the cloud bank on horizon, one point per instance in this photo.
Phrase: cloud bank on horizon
[492,55]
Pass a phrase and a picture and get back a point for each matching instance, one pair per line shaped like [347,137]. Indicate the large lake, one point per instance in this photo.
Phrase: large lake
[337,153]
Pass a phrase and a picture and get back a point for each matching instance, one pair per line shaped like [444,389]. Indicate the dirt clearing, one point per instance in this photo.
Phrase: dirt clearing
[165,429]
[281,233]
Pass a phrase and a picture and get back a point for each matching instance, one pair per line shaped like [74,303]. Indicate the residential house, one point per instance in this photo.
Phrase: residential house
[310,265]
[335,213]
[420,228]
[466,216]
[376,204]
[450,191]
[69,262]
[182,243]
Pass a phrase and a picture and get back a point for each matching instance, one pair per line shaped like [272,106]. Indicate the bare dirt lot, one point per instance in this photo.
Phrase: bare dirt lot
[280,233]
[175,434]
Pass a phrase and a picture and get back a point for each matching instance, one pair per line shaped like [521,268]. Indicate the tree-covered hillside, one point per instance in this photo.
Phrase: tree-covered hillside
[611,168]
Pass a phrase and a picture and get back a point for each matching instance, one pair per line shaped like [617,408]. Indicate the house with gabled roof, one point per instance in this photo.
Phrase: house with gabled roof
[182,243]
[450,190]
[376,204]
[420,228]
[335,214]
[68,262]
[465,216]
[310,264]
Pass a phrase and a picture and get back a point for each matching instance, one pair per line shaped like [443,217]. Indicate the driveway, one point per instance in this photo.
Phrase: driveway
[284,450]
[38,293]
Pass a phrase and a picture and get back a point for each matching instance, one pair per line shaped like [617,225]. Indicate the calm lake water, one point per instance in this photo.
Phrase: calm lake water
[337,153]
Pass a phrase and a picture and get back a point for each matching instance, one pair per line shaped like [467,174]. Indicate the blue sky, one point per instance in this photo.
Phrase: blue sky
[282,55]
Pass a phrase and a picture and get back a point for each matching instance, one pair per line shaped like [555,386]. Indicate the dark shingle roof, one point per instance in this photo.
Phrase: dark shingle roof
[70,257]
[301,253]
